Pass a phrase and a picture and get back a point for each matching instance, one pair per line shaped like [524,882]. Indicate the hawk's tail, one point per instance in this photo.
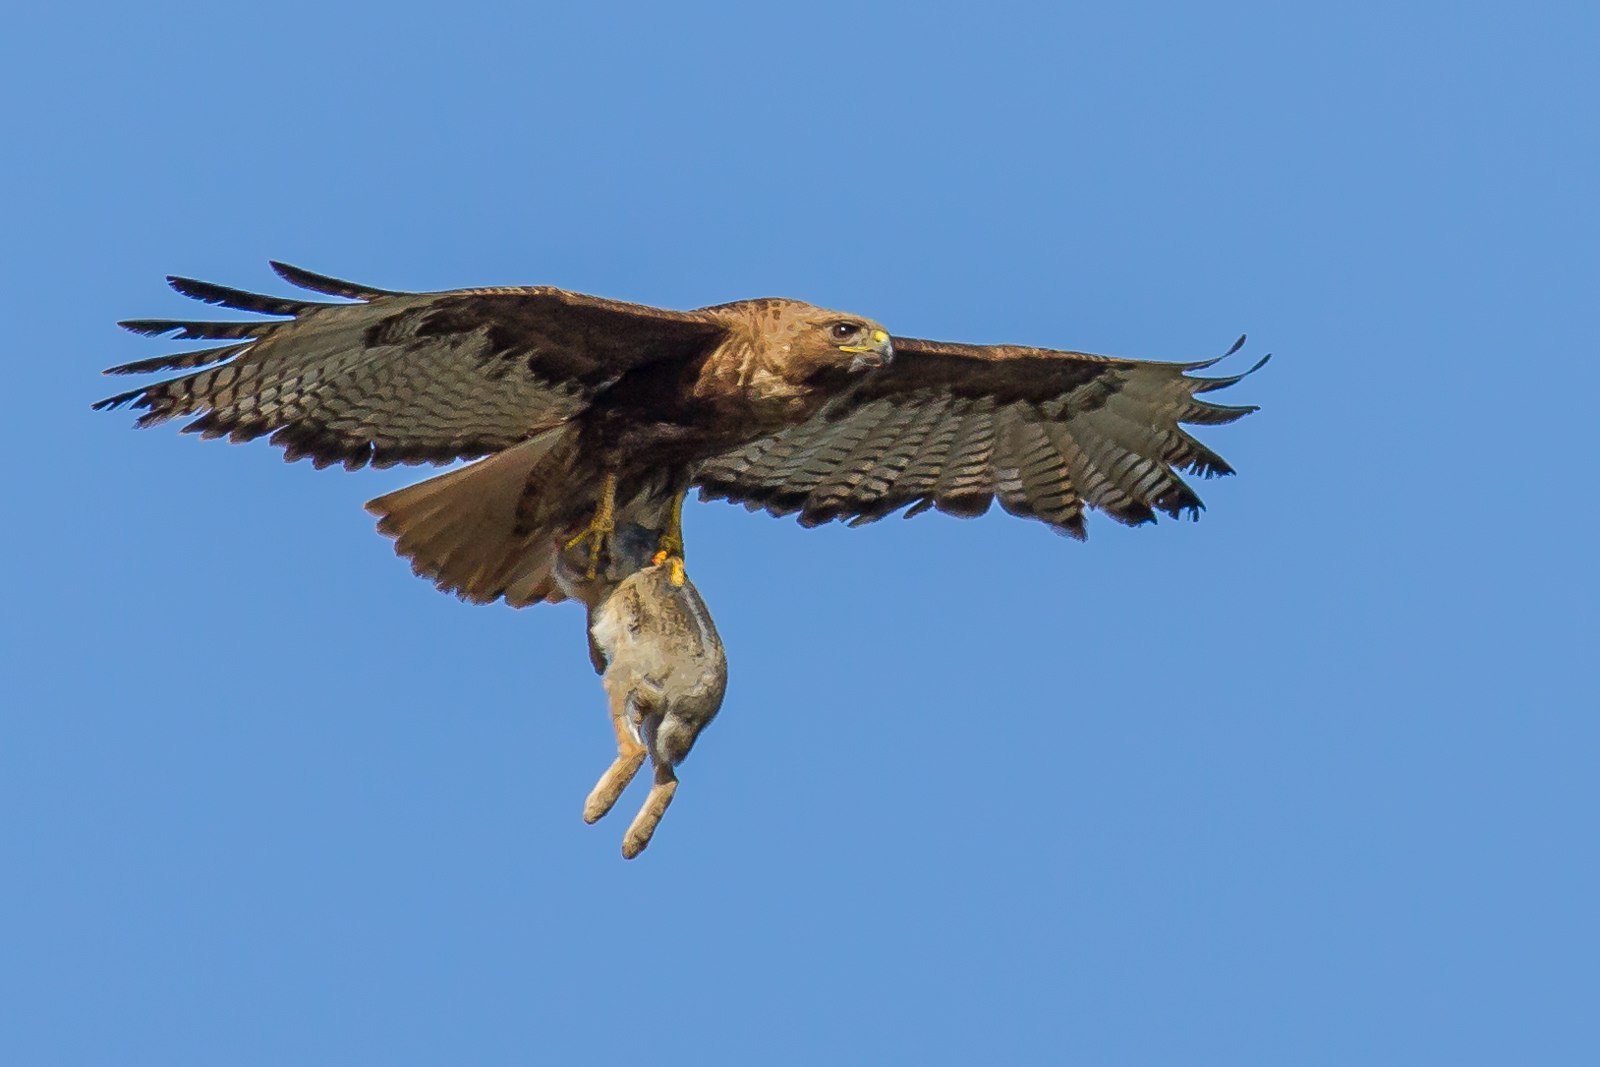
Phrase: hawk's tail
[493,528]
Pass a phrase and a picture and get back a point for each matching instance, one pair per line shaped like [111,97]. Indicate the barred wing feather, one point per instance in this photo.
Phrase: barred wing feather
[399,377]
[956,427]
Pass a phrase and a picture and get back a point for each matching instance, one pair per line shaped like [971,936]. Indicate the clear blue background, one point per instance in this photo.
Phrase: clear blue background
[1310,782]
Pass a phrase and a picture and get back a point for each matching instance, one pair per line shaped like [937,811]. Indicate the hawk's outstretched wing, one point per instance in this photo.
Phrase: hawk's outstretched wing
[401,377]
[953,426]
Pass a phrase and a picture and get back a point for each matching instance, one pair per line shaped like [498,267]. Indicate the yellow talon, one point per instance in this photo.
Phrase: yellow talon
[671,541]
[675,572]
[601,527]
[669,547]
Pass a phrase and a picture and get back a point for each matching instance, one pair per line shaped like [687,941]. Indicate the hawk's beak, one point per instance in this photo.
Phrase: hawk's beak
[880,353]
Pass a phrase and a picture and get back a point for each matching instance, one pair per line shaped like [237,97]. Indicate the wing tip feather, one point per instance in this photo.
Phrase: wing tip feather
[1206,385]
[326,284]
[238,299]
[1202,364]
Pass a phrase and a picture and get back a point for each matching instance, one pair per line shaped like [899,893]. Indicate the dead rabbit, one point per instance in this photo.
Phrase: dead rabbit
[662,666]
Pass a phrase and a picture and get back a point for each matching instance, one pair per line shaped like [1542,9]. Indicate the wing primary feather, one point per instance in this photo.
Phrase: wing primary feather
[328,286]
[1201,413]
[1214,360]
[238,299]
[1206,385]
[179,360]
[196,331]
[112,402]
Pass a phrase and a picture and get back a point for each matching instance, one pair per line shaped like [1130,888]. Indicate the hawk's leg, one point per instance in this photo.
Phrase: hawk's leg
[601,527]
[669,548]
[630,754]
[644,824]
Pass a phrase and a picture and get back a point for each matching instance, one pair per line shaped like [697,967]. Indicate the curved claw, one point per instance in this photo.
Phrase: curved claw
[675,574]
[670,544]
[601,527]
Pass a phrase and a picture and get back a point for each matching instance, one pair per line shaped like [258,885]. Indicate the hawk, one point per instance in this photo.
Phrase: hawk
[583,413]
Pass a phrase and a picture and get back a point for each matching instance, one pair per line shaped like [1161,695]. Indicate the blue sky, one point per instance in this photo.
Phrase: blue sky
[1311,781]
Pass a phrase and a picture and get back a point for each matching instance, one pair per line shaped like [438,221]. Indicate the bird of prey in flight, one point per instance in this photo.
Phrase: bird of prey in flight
[583,413]
[587,420]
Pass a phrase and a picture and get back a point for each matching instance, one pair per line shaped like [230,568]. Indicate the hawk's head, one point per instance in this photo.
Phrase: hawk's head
[814,343]
[866,342]
[788,351]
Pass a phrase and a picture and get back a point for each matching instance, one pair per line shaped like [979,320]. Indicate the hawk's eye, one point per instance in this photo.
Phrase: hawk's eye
[842,330]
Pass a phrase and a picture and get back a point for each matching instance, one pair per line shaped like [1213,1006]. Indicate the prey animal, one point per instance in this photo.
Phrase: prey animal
[663,664]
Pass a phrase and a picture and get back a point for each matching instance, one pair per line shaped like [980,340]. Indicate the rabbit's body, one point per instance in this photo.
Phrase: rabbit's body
[662,664]
[665,666]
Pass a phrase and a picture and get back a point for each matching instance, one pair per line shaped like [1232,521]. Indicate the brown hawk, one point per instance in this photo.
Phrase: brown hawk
[583,413]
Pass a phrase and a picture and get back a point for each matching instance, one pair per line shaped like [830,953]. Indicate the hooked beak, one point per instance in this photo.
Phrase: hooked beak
[880,353]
